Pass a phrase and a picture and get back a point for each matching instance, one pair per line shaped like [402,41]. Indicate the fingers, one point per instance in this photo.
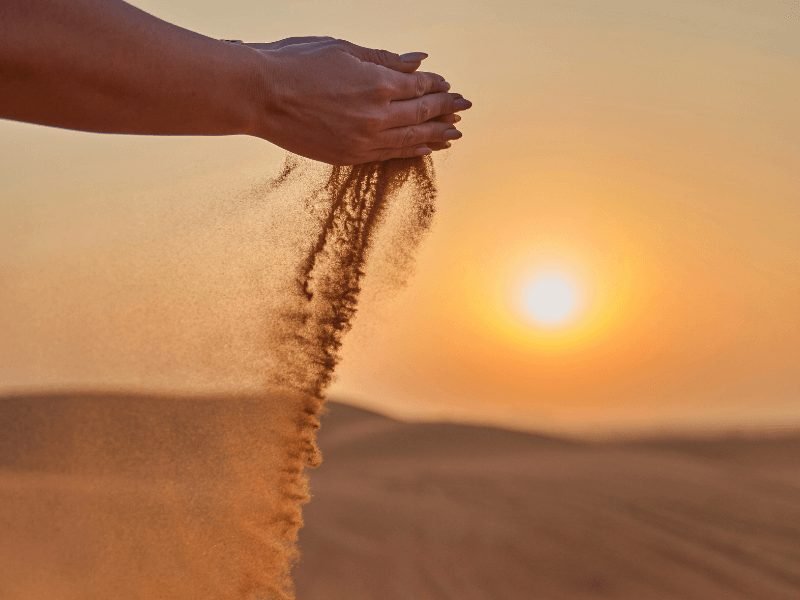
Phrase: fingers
[413,112]
[419,140]
[406,82]
[451,118]
[416,135]
[410,62]
[289,42]
[411,151]
[302,40]
[413,85]
[407,152]
[404,63]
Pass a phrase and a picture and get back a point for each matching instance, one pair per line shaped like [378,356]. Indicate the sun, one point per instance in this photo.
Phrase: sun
[551,299]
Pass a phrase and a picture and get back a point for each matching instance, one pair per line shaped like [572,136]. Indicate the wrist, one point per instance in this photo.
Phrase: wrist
[263,93]
[248,83]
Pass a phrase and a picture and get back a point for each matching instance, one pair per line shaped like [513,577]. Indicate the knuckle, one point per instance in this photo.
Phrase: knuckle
[372,55]
[410,135]
[423,110]
[384,88]
[381,57]
[420,86]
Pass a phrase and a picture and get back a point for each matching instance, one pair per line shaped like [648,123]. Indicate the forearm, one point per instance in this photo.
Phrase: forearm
[105,66]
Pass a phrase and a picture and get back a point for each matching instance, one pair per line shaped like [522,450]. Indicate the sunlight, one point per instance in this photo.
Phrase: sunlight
[551,299]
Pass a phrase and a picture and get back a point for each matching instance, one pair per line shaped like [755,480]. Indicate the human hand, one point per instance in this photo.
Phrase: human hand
[339,103]
[405,63]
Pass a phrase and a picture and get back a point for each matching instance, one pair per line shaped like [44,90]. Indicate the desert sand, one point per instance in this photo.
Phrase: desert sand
[443,511]
[131,497]
[142,498]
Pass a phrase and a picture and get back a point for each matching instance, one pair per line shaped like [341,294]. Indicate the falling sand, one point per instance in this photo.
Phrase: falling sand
[108,495]
[351,204]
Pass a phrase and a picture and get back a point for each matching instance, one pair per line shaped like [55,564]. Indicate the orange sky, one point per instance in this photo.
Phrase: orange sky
[650,150]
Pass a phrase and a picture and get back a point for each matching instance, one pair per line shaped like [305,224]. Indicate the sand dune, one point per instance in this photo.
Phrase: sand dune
[133,498]
[435,511]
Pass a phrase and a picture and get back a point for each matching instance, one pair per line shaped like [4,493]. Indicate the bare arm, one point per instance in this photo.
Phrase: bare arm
[106,66]
[103,65]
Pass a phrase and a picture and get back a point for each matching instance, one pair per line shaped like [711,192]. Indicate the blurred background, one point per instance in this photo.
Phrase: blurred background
[615,255]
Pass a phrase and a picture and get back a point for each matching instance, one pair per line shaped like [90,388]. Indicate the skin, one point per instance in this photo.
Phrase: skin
[106,66]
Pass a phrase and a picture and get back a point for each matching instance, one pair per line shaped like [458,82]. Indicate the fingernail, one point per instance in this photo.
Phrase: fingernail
[462,104]
[413,57]
[456,118]
[447,144]
[452,134]
[444,86]
[423,151]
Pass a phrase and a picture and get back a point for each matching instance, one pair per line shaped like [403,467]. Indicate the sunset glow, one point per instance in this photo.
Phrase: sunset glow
[551,300]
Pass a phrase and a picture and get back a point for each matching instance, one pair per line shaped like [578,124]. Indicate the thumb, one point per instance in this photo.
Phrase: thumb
[405,63]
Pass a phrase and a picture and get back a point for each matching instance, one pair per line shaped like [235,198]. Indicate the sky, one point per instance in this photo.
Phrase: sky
[646,154]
